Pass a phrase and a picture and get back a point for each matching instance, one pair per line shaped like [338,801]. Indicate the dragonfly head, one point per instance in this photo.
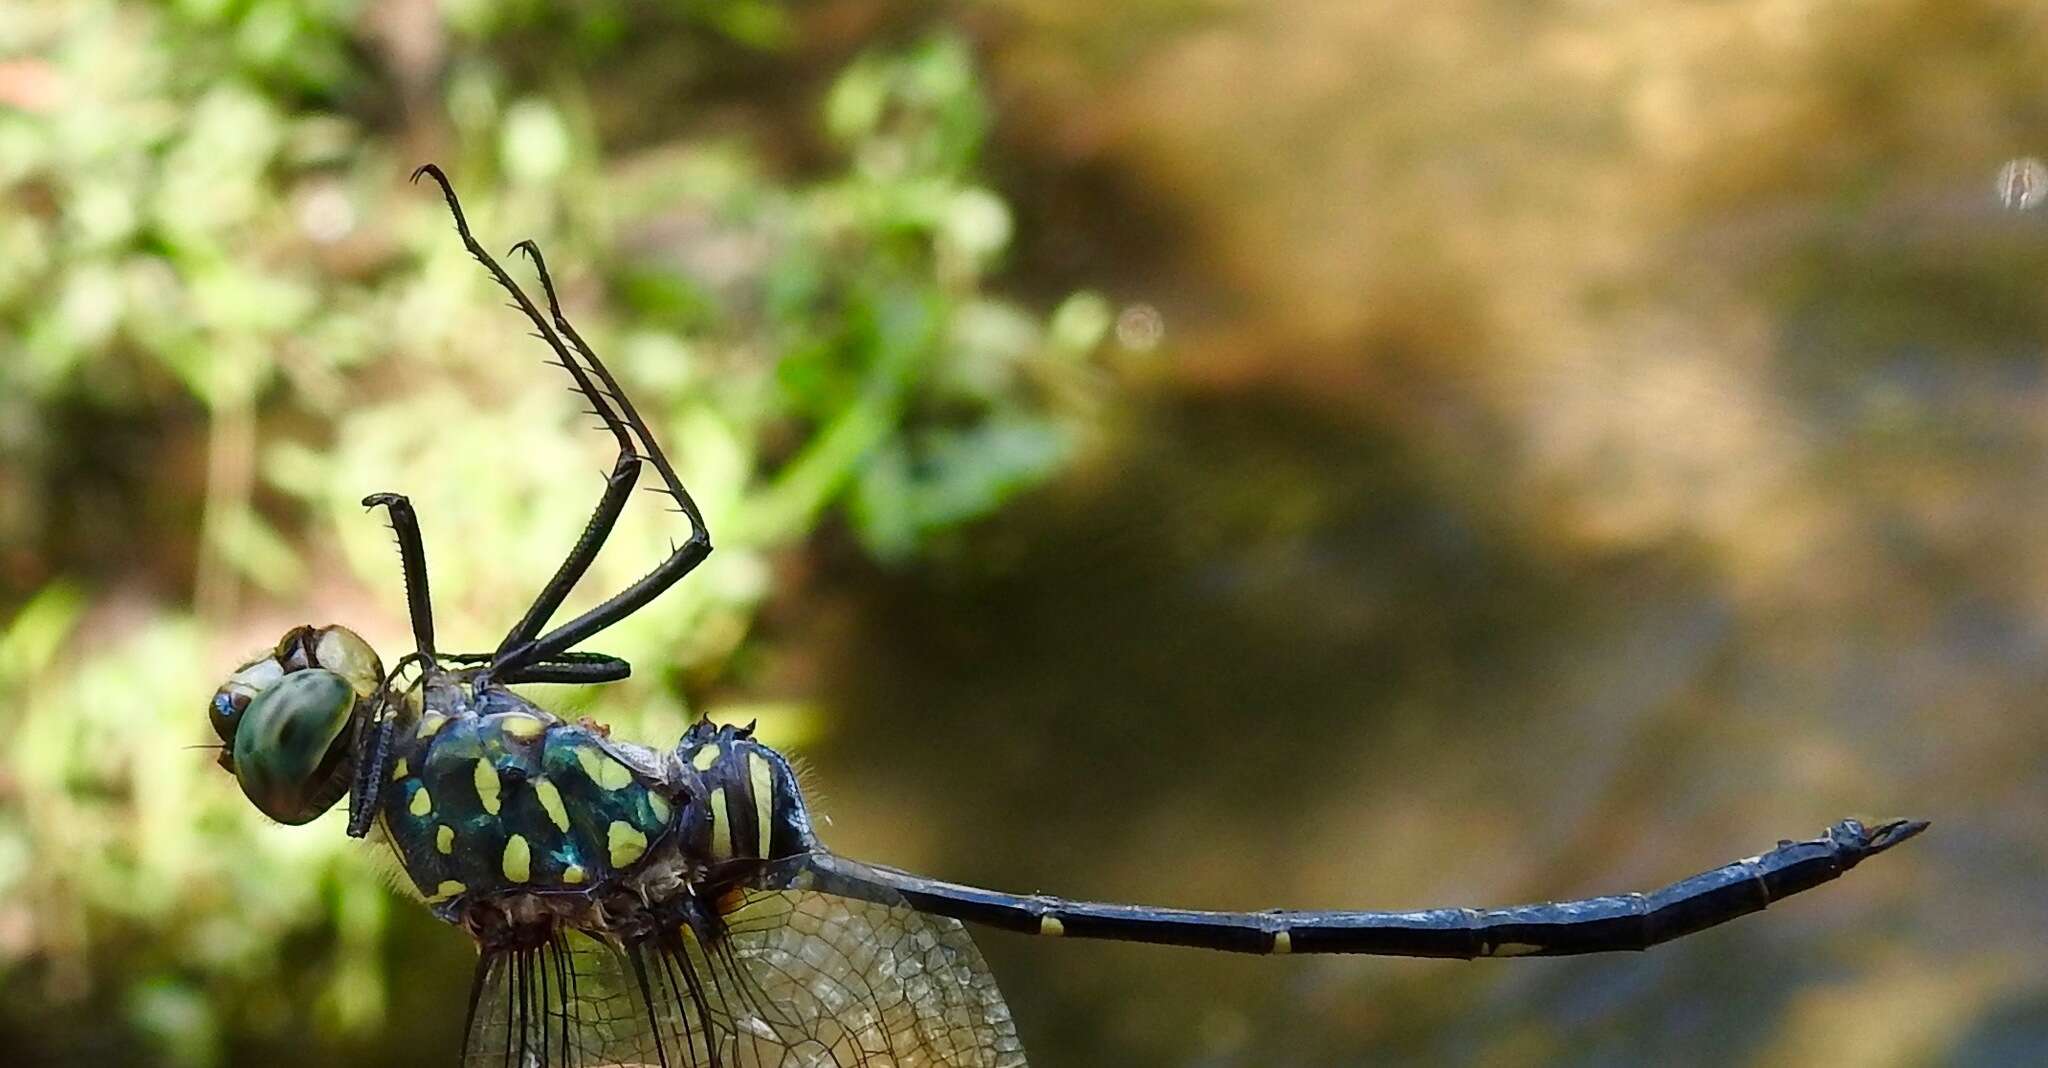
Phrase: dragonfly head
[286,720]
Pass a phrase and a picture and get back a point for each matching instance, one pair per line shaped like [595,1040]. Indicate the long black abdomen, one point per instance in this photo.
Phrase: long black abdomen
[1591,925]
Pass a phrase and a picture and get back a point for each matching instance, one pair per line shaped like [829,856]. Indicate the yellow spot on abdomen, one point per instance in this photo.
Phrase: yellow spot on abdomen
[524,728]
[1283,943]
[421,803]
[602,769]
[400,770]
[764,797]
[444,839]
[721,827]
[1051,925]
[446,890]
[704,758]
[658,804]
[487,785]
[626,843]
[551,802]
[518,862]
[431,723]
[574,875]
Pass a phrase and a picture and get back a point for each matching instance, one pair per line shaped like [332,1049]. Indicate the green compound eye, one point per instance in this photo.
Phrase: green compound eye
[233,698]
[292,749]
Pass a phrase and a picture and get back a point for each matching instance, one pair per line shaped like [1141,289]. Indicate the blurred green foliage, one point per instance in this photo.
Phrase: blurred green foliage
[1596,441]
[222,310]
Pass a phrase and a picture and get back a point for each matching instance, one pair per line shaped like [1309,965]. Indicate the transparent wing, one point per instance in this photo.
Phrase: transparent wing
[811,979]
[785,979]
[566,1003]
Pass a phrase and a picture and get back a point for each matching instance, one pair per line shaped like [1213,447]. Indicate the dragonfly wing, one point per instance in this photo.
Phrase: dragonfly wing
[769,978]
[568,1002]
[806,979]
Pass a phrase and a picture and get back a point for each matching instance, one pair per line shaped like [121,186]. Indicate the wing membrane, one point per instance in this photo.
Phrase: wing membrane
[566,1003]
[780,978]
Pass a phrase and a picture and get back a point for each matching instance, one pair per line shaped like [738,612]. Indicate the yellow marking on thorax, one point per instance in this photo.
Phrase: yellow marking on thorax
[626,843]
[446,890]
[444,839]
[660,806]
[603,769]
[421,803]
[524,728]
[764,797]
[400,770]
[1283,943]
[431,724]
[518,860]
[573,875]
[487,785]
[705,758]
[551,801]
[1513,949]
[1051,925]
[721,827]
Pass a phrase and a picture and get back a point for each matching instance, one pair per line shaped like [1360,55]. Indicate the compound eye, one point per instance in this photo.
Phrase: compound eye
[227,714]
[232,699]
[290,741]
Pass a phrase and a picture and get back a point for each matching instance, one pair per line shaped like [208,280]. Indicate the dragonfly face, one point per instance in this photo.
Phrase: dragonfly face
[287,719]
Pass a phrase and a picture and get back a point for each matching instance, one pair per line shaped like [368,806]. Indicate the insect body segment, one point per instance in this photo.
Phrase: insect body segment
[752,809]
[503,796]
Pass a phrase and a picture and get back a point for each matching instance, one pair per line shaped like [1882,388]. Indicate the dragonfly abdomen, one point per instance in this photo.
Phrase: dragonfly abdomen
[750,807]
[1587,925]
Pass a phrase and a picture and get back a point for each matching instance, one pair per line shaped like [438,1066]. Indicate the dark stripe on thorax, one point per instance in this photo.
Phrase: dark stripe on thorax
[750,792]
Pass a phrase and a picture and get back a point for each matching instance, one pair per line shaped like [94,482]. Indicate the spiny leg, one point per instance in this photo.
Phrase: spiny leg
[373,745]
[412,555]
[580,668]
[680,561]
[373,742]
[617,395]
[618,485]
[477,982]
[617,489]
[639,962]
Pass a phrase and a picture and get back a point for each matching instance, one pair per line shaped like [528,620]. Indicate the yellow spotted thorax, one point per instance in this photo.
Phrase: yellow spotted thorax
[490,794]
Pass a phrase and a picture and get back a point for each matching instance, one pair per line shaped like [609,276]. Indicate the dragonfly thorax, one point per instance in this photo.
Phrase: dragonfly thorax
[506,817]
[488,794]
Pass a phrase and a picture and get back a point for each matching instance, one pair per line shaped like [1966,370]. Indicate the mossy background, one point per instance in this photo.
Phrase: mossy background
[1213,454]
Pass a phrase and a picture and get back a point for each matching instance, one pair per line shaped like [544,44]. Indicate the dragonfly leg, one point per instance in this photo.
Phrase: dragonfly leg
[589,672]
[584,668]
[373,747]
[618,485]
[412,555]
[681,560]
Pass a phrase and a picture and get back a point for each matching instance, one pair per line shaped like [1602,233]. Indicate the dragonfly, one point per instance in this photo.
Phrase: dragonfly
[643,906]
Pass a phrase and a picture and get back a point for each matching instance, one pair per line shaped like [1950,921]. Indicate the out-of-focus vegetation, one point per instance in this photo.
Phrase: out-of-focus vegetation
[1593,440]
[227,317]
